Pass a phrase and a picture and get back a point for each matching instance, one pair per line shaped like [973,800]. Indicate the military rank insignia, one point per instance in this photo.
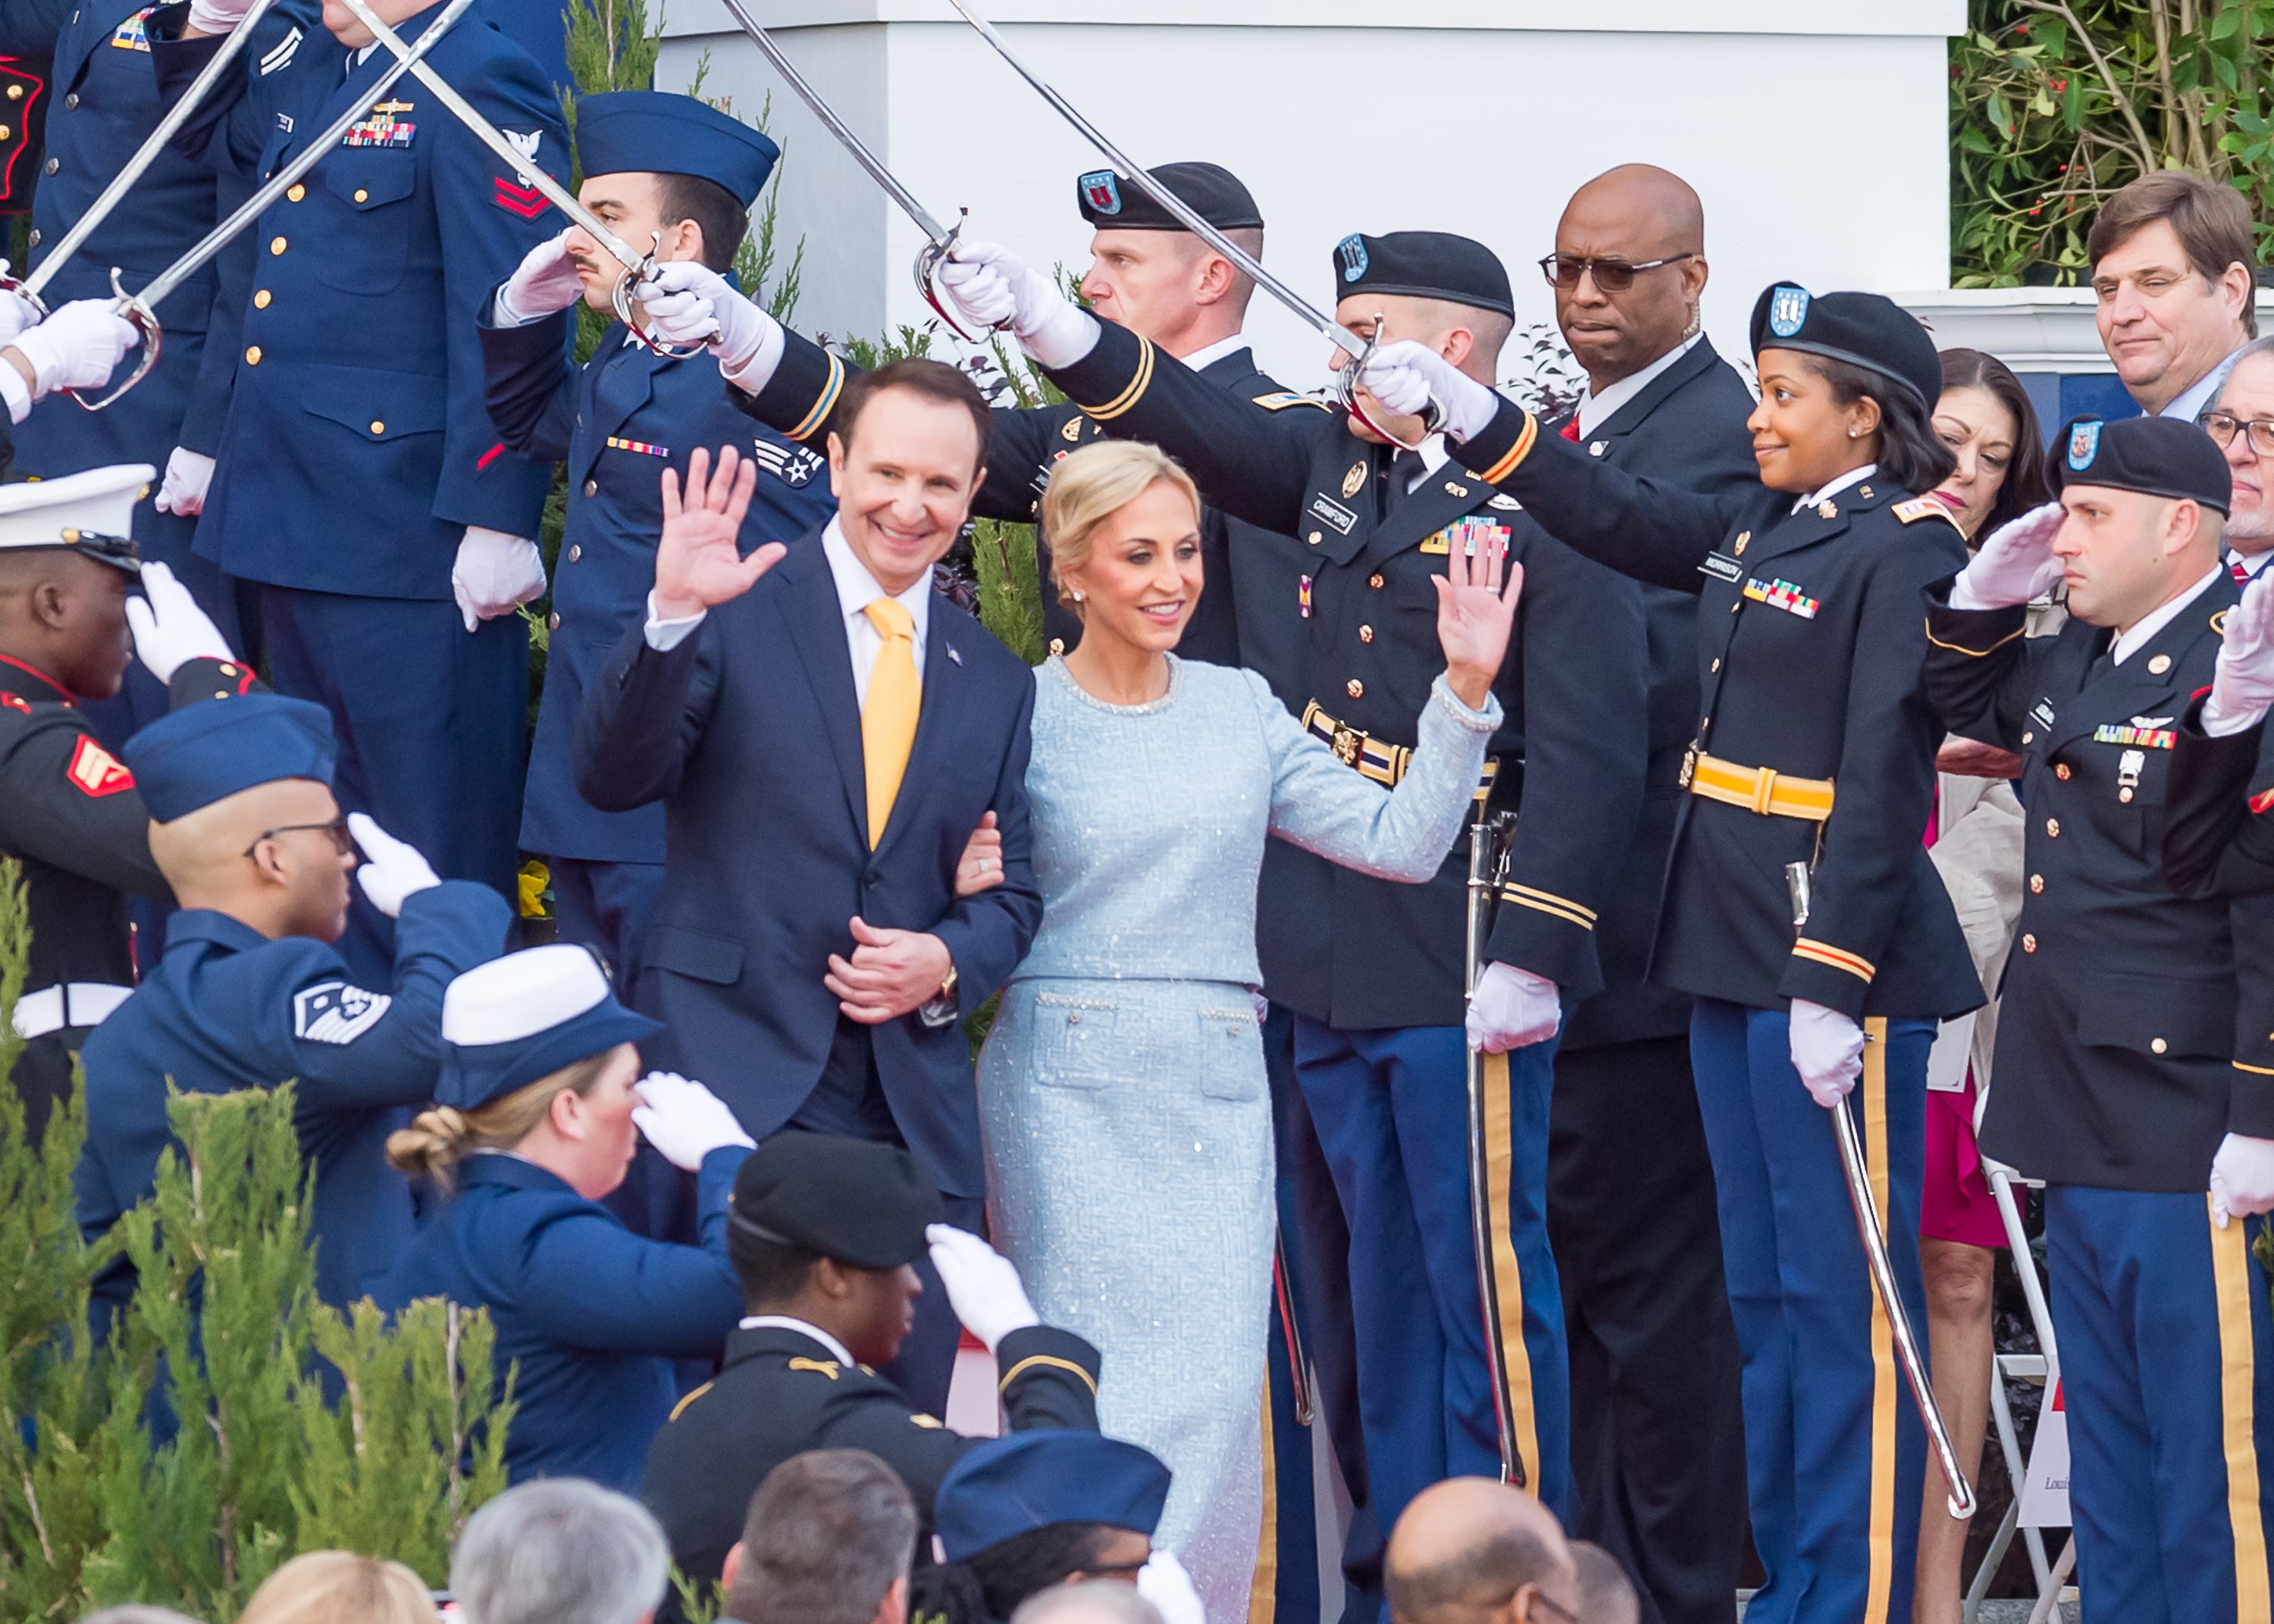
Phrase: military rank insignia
[793,465]
[526,202]
[2146,732]
[128,35]
[1781,595]
[95,773]
[617,442]
[334,1012]
[381,127]
[1468,533]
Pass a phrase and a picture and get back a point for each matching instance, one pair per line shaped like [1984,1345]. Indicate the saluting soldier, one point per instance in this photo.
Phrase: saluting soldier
[358,477]
[822,1232]
[1374,969]
[69,810]
[674,174]
[2116,1084]
[250,993]
[1814,749]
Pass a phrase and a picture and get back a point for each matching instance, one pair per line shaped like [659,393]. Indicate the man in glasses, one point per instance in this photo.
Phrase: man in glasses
[1657,1436]
[2241,423]
[251,992]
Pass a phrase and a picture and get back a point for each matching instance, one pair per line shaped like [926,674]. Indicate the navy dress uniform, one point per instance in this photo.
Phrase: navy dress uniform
[1372,969]
[787,1386]
[357,450]
[2115,1078]
[1252,612]
[618,422]
[590,1316]
[228,1008]
[69,813]
[1809,649]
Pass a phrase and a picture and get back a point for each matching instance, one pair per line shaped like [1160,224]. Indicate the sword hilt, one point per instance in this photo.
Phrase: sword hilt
[128,308]
[12,283]
[1433,416]
[929,257]
[621,297]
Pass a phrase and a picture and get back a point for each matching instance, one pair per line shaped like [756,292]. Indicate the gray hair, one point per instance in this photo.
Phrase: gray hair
[560,1550]
[1607,1596]
[2250,351]
[828,1535]
[1087,1601]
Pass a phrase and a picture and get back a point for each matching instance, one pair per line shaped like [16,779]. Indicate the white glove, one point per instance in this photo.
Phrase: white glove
[17,313]
[183,490]
[217,16]
[1163,1582]
[1512,1008]
[77,346]
[684,1120]
[2015,565]
[392,870]
[982,1285]
[543,285]
[2242,685]
[688,303]
[169,630]
[992,285]
[1827,1051]
[2241,1178]
[494,574]
[1405,377]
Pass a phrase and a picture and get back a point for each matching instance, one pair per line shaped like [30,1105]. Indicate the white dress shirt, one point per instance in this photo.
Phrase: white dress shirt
[856,589]
[1853,475]
[783,1322]
[2147,625]
[1594,409]
[2196,397]
[1208,355]
[2249,563]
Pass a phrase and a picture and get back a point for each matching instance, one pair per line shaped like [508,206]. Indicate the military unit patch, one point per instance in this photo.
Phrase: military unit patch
[1101,189]
[617,442]
[1781,595]
[1468,532]
[2085,444]
[128,35]
[334,1012]
[1788,309]
[1351,251]
[1920,507]
[95,773]
[2146,738]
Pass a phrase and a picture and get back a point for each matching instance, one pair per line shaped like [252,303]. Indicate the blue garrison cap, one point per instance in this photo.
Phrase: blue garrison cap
[651,131]
[1030,1480]
[207,752]
[509,1022]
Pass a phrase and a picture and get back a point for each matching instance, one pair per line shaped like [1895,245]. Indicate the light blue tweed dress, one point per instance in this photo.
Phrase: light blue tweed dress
[1122,1090]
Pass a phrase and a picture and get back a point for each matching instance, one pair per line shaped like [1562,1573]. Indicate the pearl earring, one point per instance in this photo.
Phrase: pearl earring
[1077,597]
[1851,434]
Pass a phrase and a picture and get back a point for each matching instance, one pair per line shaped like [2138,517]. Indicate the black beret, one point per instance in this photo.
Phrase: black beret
[2156,456]
[854,1201]
[1868,330]
[1427,265]
[1209,190]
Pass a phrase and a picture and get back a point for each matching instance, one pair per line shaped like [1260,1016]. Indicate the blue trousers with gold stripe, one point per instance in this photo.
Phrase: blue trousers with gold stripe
[1834,1449]
[2165,1339]
[1392,1114]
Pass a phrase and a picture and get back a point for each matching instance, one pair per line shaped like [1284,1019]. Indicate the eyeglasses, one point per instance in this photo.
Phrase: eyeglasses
[342,841]
[2223,426]
[1611,276]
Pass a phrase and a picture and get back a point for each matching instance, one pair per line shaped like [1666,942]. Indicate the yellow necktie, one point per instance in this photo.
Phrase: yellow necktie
[888,721]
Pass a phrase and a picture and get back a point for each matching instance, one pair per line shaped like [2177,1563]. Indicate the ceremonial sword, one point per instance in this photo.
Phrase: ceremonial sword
[176,116]
[1359,349]
[935,251]
[1798,886]
[140,308]
[1490,839]
[637,267]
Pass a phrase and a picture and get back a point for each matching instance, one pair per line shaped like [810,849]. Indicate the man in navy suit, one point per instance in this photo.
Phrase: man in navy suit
[825,732]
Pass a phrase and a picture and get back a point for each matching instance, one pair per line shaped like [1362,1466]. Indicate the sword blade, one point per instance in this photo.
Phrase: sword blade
[314,154]
[837,126]
[495,139]
[145,155]
[1186,215]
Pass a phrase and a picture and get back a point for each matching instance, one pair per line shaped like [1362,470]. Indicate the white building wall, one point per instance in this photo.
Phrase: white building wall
[1814,131]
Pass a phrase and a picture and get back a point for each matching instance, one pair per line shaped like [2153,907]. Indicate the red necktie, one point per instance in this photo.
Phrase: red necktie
[2238,572]
[1572,430]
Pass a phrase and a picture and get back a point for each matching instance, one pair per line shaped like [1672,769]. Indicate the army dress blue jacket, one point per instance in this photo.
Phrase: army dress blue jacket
[2116,1032]
[1810,643]
[2218,840]
[590,1315]
[1345,948]
[357,446]
[619,421]
[227,1008]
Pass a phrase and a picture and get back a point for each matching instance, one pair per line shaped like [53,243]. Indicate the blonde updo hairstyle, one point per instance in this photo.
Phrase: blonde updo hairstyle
[442,1136]
[1093,484]
[339,1587]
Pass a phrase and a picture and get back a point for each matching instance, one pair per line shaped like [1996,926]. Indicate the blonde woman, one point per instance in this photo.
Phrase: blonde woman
[1122,1089]
[539,1112]
[339,1587]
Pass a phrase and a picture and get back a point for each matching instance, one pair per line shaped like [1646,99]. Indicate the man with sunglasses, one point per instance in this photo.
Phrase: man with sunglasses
[1657,1434]
[251,992]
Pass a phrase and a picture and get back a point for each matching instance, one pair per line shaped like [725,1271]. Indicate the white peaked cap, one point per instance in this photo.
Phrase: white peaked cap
[522,994]
[49,513]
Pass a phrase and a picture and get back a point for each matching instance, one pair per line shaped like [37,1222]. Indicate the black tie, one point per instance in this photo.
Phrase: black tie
[1405,468]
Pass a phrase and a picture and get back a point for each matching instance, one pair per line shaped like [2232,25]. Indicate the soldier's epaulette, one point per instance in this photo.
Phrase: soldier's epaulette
[1280,400]
[680,1408]
[1923,507]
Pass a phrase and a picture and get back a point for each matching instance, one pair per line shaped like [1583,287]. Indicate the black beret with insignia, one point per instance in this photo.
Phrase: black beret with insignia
[854,1201]
[2156,456]
[1109,201]
[1424,265]
[1868,330]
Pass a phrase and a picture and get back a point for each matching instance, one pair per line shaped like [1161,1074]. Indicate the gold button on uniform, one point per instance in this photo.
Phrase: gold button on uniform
[2125,795]
[1374,582]
[377,427]
[2028,945]
[260,299]
[294,192]
[1366,634]
[2063,773]
[2052,829]
[2036,886]
[2029,737]
[1313,538]
[15,93]
[276,244]
[71,100]
[1355,688]
[1716,665]
[252,355]
[2157,1045]
[2159,665]
[362,196]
